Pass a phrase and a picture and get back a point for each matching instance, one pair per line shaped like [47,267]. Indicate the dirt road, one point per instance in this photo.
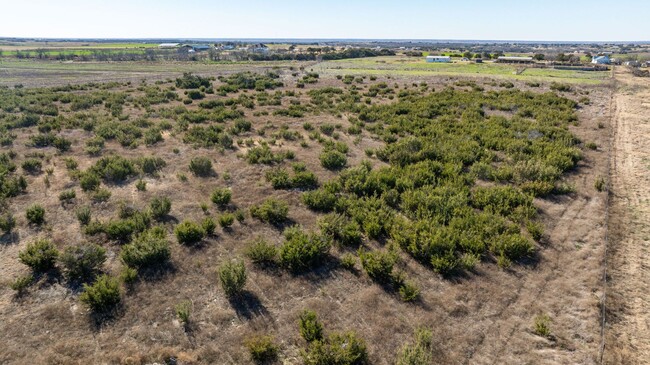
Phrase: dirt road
[628,299]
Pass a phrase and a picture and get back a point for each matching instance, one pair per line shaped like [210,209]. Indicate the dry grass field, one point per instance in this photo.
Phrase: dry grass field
[492,307]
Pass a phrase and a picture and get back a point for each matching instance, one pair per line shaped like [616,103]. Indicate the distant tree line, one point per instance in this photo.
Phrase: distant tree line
[150,54]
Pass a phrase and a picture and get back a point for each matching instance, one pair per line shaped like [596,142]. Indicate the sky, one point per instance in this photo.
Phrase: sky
[528,20]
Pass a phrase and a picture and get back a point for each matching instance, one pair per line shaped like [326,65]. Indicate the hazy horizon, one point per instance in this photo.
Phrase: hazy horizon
[465,20]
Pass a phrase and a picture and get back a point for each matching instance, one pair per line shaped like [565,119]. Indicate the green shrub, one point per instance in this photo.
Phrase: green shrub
[221,196]
[39,255]
[233,277]
[513,246]
[201,166]
[151,165]
[103,295]
[262,348]
[208,226]
[183,311]
[7,222]
[89,181]
[348,261]
[542,325]
[114,169]
[337,348]
[419,352]
[378,265]
[82,261]
[226,220]
[128,275]
[67,196]
[160,207]
[535,229]
[341,229]
[35,214]
[83,215]
[302,251]
[148,249]
[333,160]
[408,292]
[189,233]
[32,165]
[21,284]
[319,200]
[101,195]
[311,329]
[600,184]
[272,211]
[444,263]
[261,252]
[141,185]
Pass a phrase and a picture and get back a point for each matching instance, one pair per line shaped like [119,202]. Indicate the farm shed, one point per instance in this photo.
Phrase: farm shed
[601,60]
[168,45]
[512,59]
[443,59]
[196,47]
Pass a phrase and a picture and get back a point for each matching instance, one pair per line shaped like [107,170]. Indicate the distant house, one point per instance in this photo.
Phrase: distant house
[601,60]
[195,47]
[465,59]
[478,60]
[633,63]
[438,59]
[168,45]
[512,59]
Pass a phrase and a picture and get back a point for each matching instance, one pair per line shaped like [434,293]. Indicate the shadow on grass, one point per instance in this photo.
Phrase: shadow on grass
[247,305]
[156,273]
[10,238]
[99,320]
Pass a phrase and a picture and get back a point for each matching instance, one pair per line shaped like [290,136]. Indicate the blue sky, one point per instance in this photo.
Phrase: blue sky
[561,20]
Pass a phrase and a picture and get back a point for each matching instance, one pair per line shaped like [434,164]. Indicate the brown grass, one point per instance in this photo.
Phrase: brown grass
[486,317]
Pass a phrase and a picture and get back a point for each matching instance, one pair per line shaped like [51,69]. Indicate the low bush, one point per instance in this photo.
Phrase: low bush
[262,348]
[7,223]
[542,325]
[208,226]
[271,211]
[201,166]
[378,265]
[183,311]
[311,329]
[333,160]
[82,261]
[39,255]
[35,214]
[337,348]
[148,249]
[115,169]
[341,229]
[32,165]
[103,295]
[221,196]
[160,207]
[261,252]
[67,196]
[89,181]
[21,284]
[189,233]
[319,200]
[226,220]
[232,276]
[419,352]
[301,250]
[83,215]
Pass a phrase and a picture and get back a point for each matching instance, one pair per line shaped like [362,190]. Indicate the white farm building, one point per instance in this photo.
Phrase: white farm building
[168,45]
[443,59]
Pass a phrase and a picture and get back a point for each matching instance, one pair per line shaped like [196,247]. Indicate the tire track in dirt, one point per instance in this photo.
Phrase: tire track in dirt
[627,338]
